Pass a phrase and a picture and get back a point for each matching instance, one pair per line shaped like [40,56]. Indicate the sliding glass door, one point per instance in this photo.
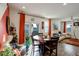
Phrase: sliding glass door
[27,29]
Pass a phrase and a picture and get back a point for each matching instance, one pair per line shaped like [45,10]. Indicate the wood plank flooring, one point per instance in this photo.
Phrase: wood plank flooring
[67,50]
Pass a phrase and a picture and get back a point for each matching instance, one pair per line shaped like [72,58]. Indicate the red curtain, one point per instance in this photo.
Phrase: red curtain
[49,23]
[64,27]
[3,27]
[21,28]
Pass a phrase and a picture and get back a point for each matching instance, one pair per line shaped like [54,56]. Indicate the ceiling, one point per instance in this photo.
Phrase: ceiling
[48,10]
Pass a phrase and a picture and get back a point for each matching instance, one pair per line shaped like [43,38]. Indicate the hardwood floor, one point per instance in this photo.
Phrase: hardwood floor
[67,50]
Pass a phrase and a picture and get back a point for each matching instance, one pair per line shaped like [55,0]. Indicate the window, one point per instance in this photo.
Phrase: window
[27,29]
[55,26]
[35,27]
[69,26]
[46,27]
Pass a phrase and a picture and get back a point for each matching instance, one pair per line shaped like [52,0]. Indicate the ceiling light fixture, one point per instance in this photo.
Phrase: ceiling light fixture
[65,4]
[23,7]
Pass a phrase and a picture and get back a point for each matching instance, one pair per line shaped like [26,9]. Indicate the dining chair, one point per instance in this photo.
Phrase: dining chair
[51,46]
[35,44]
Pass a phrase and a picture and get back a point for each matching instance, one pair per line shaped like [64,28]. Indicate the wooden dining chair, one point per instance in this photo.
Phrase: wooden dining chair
[51,47]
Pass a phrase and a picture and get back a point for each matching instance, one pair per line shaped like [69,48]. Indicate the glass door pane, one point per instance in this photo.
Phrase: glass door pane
[68,26]
[27,29]
[35,27]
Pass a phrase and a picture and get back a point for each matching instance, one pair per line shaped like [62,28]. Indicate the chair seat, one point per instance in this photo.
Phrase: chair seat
[51,47]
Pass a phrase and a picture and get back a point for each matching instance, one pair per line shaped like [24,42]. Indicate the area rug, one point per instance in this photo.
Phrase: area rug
[71,41]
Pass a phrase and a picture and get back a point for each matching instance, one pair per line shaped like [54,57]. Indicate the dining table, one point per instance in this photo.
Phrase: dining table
[48,42]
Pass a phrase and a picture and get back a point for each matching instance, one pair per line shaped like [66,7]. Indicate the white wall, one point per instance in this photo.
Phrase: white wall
[76,29]
[3,7]
[14,19]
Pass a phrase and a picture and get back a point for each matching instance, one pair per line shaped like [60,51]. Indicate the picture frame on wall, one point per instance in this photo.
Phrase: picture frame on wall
[42,25]
[55,26]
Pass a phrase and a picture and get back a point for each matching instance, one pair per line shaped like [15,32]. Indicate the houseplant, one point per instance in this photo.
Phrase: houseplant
[7,52]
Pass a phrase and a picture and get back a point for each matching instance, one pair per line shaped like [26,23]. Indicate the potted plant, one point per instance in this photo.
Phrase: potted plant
[7,52]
